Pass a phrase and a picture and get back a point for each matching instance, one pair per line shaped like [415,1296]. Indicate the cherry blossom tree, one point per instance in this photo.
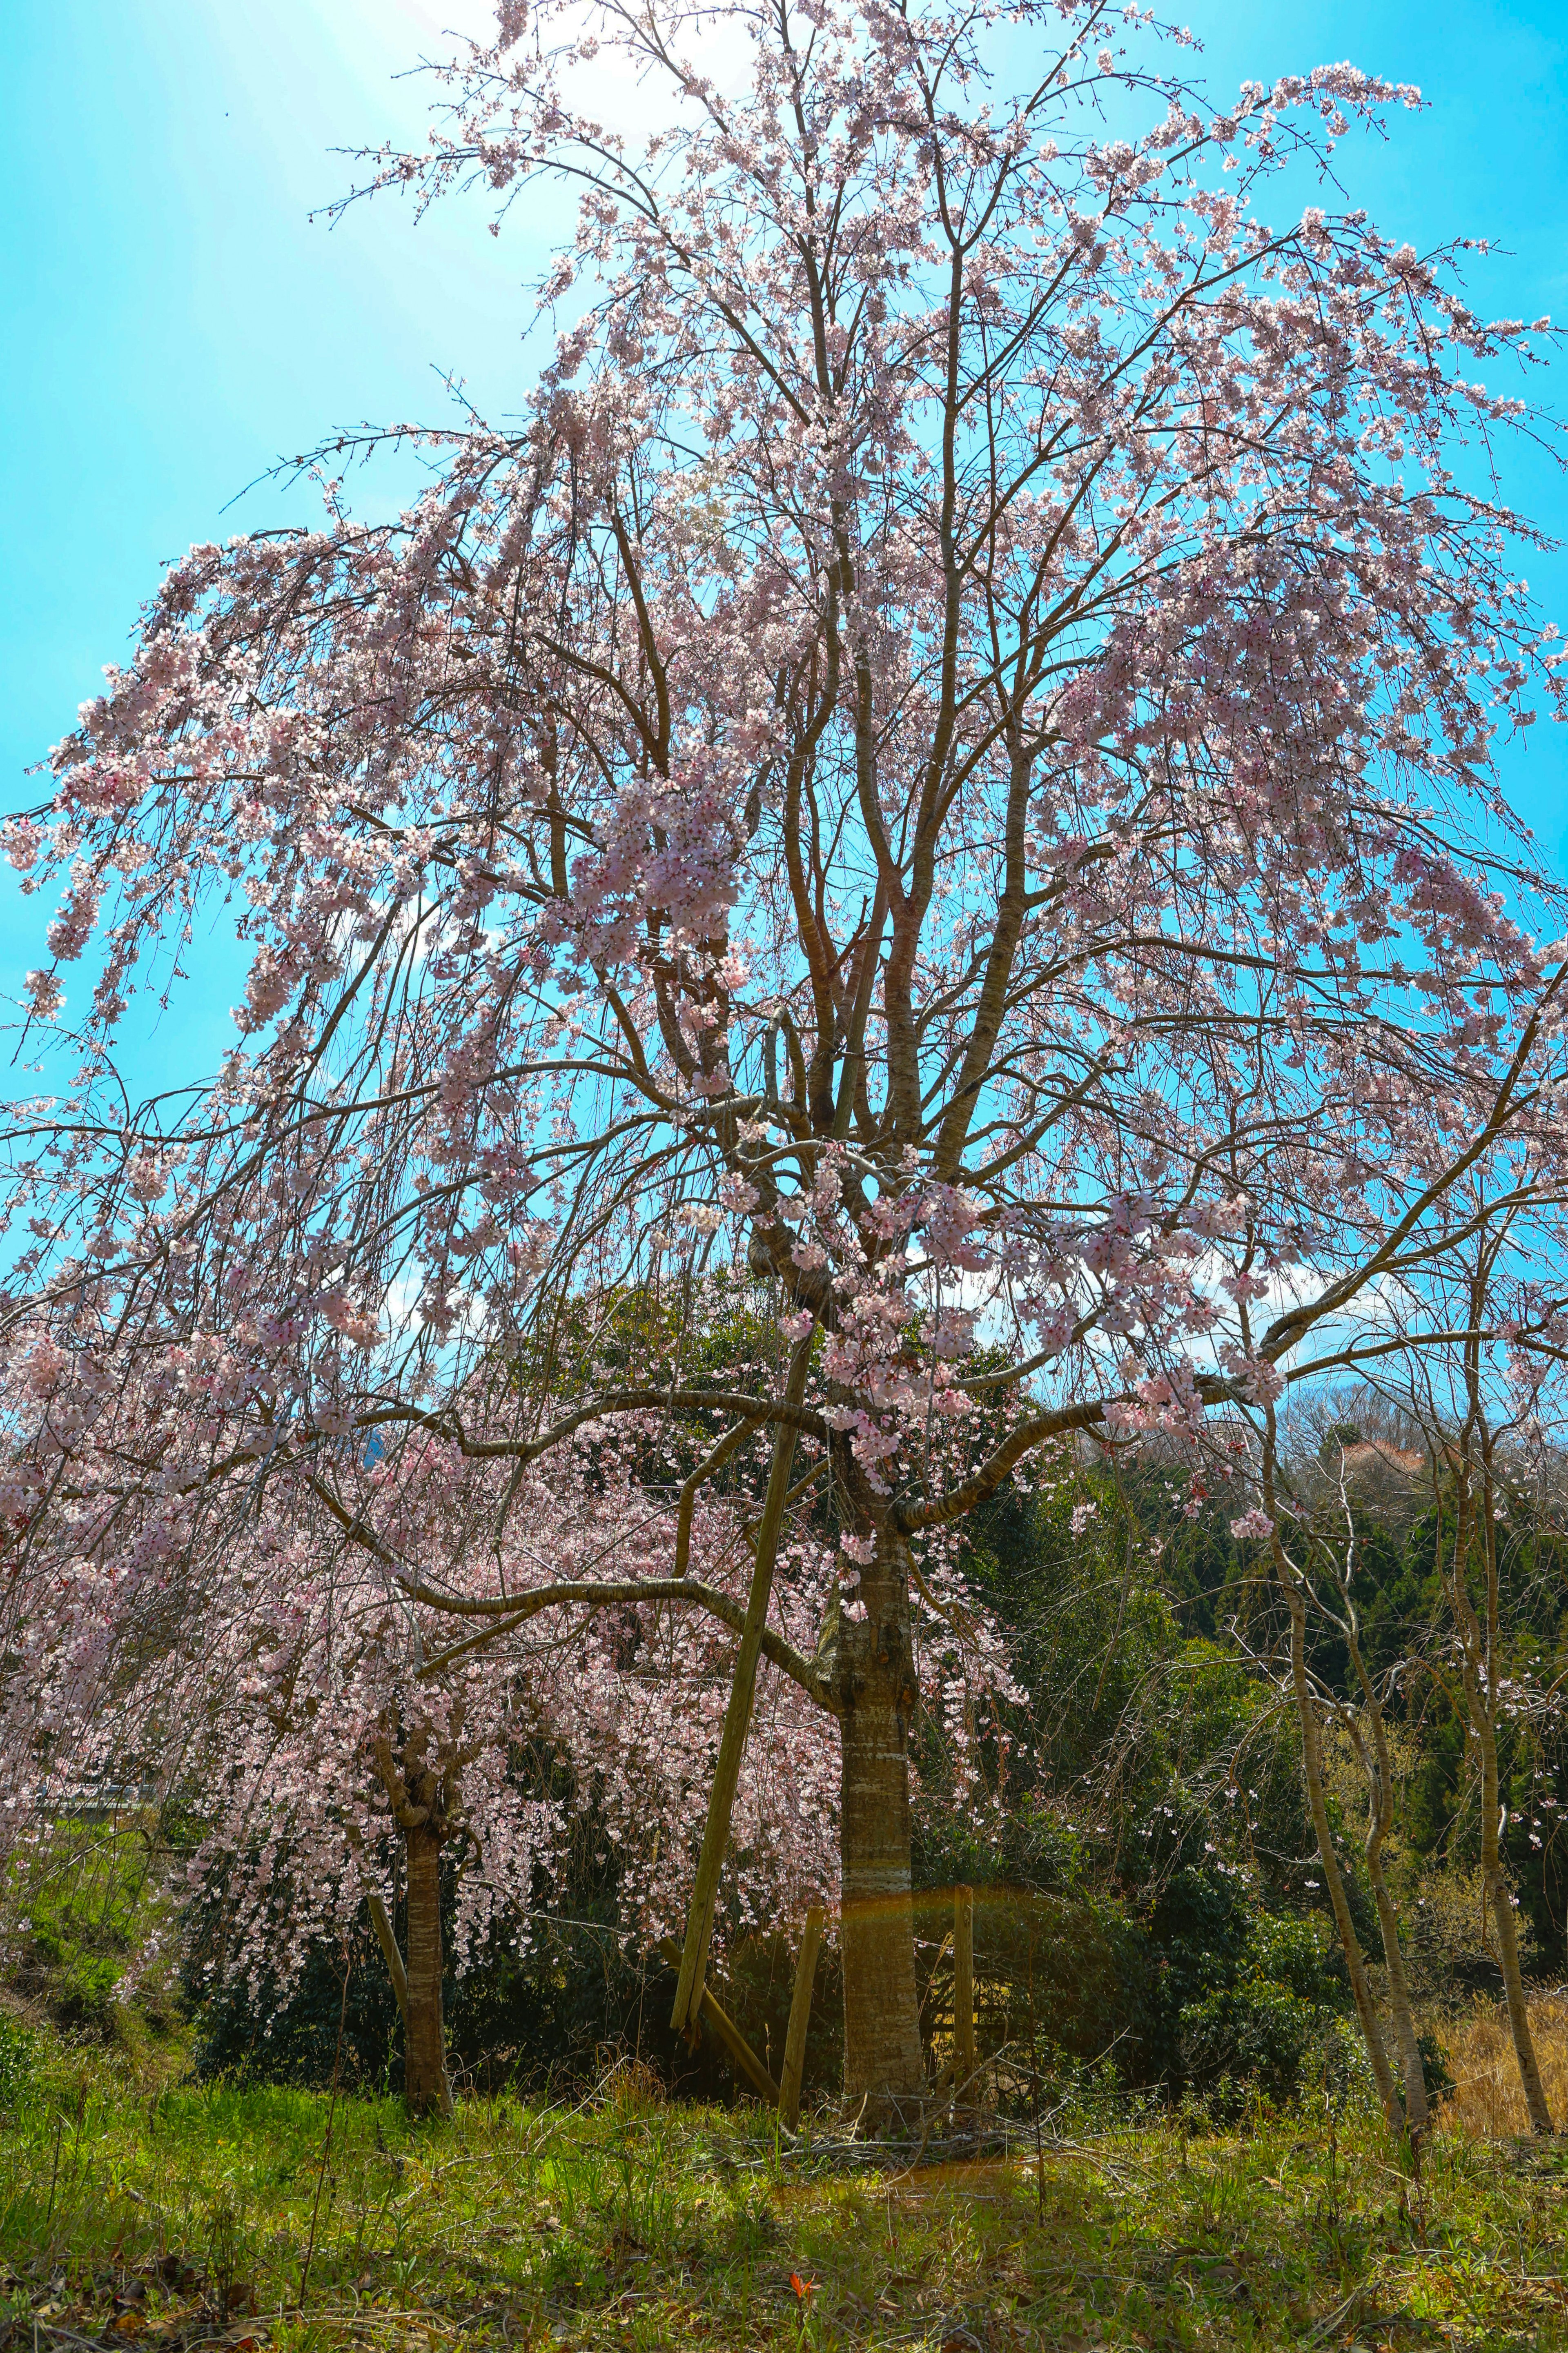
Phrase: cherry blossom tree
[946,763]
[333,1716]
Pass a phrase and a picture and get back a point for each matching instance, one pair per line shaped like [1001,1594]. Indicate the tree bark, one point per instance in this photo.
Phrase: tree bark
[393,1957]
[884,2070]
[1518,2016]
[424,1793]
[424,2084]
[1416,2113]
[380,1921]
[1485,1721]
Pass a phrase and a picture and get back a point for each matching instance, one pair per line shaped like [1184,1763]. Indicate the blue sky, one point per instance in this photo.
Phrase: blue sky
[173,321]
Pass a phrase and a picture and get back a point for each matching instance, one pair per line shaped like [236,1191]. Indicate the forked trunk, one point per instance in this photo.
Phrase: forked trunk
[884,2071]
[425,2085]
[424,1793]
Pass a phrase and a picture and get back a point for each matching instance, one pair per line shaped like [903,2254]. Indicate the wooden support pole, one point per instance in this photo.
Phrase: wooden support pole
[728,2037]
[737,1716]
[964,2061]
[800,2020]
[741,2055]
[389,1944]
[384,1935]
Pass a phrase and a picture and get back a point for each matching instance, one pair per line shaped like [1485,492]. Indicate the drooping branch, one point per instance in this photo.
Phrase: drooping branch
[504,1614]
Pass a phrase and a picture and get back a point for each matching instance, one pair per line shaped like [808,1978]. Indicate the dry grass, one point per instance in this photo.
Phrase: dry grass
[1487,2103]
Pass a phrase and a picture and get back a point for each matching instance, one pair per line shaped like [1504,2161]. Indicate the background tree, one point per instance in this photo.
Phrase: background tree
[1463,1453]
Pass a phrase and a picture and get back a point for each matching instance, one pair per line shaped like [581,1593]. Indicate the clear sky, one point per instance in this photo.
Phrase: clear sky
[173,319]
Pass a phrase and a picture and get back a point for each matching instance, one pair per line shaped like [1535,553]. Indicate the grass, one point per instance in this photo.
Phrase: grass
[1487,2101]
[134,2209]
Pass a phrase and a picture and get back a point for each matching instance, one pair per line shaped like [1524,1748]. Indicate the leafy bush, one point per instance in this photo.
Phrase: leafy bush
[1291,1951]
[1435,2065]
[1338,2071]
[1252,2036]
[1265,2022]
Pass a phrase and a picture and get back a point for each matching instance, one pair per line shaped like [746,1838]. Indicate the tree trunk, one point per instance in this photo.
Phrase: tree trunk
[799,2020]
[393,1957]
[1311,1763]
[884,2071]
[1379,1767]
[1485,1719]
[1416,2113]
[1478,1525]
[1501,1901]
[425,2085]
[964,2063]
[1518,2016]
[380,1921]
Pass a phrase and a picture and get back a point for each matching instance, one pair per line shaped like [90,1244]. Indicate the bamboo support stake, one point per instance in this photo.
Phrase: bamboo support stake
[384,1934]
[800,2020]
[393,1958]
[737,1716]
[964,2063]
[742,2057]
[730,2038]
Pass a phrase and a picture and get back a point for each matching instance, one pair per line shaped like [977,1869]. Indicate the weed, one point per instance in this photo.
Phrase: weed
[164,2214]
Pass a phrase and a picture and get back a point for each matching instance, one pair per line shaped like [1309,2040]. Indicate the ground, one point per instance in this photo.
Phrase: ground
[176,2215]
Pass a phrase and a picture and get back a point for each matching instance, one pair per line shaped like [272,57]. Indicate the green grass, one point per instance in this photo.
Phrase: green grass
[183,2216]
[92,1900]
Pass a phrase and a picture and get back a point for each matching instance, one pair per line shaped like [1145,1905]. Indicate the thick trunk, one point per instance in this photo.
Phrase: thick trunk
[885,2073]
[424,1793]
[425,2085]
